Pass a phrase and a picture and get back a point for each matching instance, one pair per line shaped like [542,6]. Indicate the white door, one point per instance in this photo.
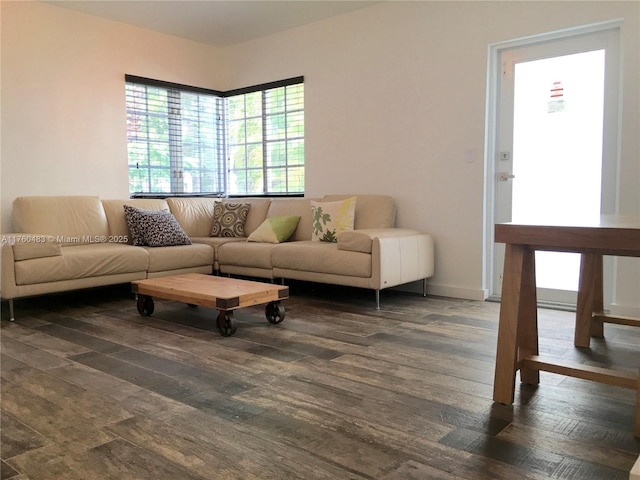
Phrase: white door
[555,148]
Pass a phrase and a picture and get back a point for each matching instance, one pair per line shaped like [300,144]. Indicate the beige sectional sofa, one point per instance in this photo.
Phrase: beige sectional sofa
[73,242]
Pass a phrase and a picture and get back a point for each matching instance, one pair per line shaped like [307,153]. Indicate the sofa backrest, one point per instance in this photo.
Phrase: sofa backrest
[257,212]
[114,210]
[294,206]
[372,211]
[194,214]
[72,219]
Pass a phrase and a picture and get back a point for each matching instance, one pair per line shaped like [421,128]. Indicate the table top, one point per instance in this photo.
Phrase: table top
[211,290]
[606,235]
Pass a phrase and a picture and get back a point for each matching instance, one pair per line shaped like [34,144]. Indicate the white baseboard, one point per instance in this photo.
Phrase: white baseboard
[618,310]
[444,291]
[457,292]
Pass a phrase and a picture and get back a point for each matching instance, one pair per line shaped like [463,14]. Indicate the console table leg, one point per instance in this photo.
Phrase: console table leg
[528,318]
[589,300]
[507,348]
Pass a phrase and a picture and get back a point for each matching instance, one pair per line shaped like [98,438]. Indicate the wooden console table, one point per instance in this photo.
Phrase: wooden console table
[517,347]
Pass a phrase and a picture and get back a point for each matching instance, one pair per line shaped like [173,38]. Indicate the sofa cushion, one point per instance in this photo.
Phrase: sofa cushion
[355,241]
[70,218]
[257,213]
[275,229]
[216,242]
[246,254]
[294,206]
[27,251]
[179,257]
[82,261]
[372,211]
[28,246]
[229,219]
[332,218]
[321,257]
[194,214]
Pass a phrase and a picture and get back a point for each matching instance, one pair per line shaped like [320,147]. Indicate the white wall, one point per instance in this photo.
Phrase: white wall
[63,102]
[394,103]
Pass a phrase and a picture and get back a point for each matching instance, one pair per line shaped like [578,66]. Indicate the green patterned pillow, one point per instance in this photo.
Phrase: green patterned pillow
[331,218]
[275,229]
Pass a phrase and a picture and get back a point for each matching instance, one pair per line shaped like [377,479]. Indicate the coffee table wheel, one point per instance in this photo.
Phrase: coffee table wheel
[274,311]
[145,305]
[226,323]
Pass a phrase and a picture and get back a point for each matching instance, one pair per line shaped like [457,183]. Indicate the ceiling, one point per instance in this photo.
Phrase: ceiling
[215,22]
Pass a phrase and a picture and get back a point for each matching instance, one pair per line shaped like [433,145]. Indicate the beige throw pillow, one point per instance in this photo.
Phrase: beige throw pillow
[332,218]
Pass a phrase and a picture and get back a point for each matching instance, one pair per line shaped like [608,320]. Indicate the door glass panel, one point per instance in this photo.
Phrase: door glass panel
[557,151]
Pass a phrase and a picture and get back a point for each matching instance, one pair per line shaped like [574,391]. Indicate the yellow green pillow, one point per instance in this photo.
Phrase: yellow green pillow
[275,229]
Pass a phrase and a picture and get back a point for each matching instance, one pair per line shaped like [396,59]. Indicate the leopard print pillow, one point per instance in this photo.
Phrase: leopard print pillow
[155,228]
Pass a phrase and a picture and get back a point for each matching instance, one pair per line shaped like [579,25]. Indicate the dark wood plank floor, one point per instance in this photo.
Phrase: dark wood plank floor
[92,390]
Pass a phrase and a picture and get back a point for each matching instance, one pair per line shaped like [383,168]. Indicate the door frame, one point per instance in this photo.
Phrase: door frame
[611,114]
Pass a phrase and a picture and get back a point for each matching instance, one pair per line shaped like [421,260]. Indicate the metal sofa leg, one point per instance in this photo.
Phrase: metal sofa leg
[424,287]
[377,299]
[11,316]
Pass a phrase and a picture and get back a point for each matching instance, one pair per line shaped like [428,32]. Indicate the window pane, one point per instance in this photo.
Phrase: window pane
[254,130]
[254,155]
[254,104]
[295,152]
[160,181]
[159,155]
[235,107]
[274,100]
[276,154]
[138,180]
[237,132]
[138,154]
[276,126]
[295,124]
[237,181]
[255,183]
[295,179]
[277,179]
[295,97]
[238,157]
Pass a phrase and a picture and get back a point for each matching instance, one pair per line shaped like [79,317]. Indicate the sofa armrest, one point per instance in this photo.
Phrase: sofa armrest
[8,288]
[362,240]
[401,259]
[16,247]
[28,245]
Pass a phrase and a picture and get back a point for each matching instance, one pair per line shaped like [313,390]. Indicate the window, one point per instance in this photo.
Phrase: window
[187,140]
[266,141]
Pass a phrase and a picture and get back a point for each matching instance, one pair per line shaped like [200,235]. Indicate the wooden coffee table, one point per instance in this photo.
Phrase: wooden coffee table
[222,293]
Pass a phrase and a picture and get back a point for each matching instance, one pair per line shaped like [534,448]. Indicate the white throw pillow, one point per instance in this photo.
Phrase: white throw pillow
[332,218]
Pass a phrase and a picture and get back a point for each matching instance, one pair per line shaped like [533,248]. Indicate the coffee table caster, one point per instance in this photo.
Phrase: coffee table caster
[274,311]
[226,323]
[145,305]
